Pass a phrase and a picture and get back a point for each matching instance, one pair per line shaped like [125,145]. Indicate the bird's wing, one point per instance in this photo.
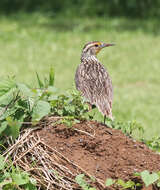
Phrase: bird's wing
[83,83]
[105,98]
[93,81]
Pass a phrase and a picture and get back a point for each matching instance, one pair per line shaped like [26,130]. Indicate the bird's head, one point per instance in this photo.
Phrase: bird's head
[93,48]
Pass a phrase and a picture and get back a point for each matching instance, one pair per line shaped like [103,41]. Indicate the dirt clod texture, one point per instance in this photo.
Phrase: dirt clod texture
[101,151]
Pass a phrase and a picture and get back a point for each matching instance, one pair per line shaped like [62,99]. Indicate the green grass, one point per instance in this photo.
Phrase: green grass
[30,43]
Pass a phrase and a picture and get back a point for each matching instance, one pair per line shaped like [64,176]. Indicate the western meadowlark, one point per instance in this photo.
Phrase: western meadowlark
[93,81]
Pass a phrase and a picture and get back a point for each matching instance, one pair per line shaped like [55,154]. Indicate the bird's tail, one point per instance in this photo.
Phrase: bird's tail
[105,107]
[111,117]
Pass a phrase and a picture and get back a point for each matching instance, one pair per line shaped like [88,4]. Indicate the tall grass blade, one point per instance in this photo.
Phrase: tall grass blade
[51,77]
[40,83]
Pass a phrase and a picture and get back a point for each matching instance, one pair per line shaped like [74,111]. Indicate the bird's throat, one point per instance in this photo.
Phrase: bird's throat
[89,58]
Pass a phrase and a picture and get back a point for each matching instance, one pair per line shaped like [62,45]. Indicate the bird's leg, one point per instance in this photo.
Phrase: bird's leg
[104,119]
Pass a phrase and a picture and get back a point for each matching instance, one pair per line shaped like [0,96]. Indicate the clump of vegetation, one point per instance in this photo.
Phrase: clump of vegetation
[136,130]
[21,105]
[14,178]
[154,143]
[129,128]
[146,177]
[80,179]
[122,184]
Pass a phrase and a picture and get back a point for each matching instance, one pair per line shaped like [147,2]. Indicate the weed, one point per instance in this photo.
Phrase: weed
[122,184]
[129,128]
[154,143]
[147,178]
[12,177]
[21,104]
[80,179]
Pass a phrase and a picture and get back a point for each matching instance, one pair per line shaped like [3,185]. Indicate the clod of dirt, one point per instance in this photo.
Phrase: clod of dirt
[101,151]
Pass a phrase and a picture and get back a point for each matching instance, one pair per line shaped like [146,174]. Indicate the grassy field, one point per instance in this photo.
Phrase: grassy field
[34,42]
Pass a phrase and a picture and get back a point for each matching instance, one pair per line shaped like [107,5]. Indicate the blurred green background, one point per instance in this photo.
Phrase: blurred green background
[37,34]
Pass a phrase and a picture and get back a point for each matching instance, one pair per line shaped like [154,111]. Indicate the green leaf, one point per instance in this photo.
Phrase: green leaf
[8,112]
[33,181]
[6,98]
[46,82]
[158,173]
[125,185]
[51,90]
[20,178]
[40,83]
[3,126]
[24,90]
[158,184]
[121,182]
[82,183]
[138,185]
[2,163]
[129,184]
[40,110]
[137,174]
[51,77]
[5,182]
[79,179]
[109,182]
[148,178]
[14,127]
[6,85]
[7,174]
[30,186]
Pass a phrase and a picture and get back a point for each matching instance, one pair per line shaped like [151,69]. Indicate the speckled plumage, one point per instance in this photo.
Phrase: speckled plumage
[94,82]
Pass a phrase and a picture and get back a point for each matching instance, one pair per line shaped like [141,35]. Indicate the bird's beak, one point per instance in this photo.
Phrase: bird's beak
[106,45]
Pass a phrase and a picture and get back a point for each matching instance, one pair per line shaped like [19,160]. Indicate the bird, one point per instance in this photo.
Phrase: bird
[93,80]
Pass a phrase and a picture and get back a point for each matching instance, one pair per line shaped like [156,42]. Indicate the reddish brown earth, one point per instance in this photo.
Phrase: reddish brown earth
[103,153]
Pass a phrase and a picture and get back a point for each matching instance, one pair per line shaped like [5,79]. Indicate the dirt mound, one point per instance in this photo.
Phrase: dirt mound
[100,151]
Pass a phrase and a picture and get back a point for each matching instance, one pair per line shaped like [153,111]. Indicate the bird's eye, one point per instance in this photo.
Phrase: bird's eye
[96,45]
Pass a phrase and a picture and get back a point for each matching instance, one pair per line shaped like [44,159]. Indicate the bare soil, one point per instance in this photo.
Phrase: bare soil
[100,151]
